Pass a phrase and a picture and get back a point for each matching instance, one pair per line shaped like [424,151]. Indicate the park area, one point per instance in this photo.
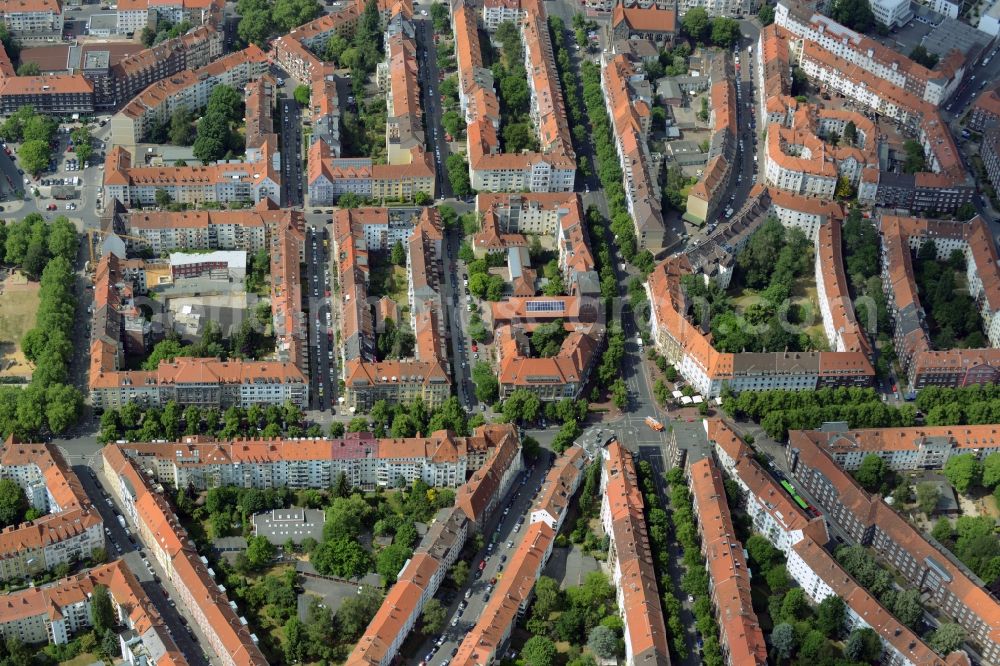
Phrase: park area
[18,306]
[771,301]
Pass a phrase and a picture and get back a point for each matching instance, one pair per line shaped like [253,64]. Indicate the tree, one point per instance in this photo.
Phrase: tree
[302,94]
[921,55]
[963,471]
[460,573]
[391,560]
[539,651]
[487,386]
[794,607]
[696,24]
[831,615]
[765,14]
[181,132]
[398,255]
[458,175]
[947,638]
[342,557]
[991,470]
[260,552]
[102,612]
[13,503]
[855,14]
[872,472]
[29,69]
[162,197]
[942,530]
[725,31]
[422,199]
[433,617]
[603,642]
[784,640]
[863,645]
[34,155]
[357,611]
[928,495]
[915,161]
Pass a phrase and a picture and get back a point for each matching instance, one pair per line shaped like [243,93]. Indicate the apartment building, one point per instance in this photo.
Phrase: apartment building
[398,73]
[867,519]
[441,459]
[118,324]
[222,182]
[496,12]
[134,15]
[507,219]
[328,176]
[136,72]
[740,635]
[892,13]
[559,487]
[247,230]
[728,8]
[416,584]
[289,323]
[654,23]
[879,78]
[798,157]
[197,591]
[207,382]
[802,538]
[58,94]
[924,366]
[989,150]
[807,214]
[32,18]
[844,332]
[70,527]
[324,109]
[631,560]
[772,512]
[553,168]
[187,89]
[905,449]
[485,642]
[482,493]
[985,110]
[629,98]
[930,85]
[367,379]
[706,196]
[691,352]
[55,612]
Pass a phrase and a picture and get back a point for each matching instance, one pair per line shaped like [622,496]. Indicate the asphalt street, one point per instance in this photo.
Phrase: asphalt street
[431,103]
[316,294]
[291,152]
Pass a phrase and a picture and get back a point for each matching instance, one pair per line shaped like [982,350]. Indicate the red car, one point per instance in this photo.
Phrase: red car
[482,564]
[51,207]
[475,348]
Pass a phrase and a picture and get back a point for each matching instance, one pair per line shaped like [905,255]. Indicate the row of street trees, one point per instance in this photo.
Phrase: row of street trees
[48,404]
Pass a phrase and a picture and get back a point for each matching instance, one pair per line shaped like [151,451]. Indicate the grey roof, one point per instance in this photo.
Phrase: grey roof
[951,34]
[789,363]
[295,523]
